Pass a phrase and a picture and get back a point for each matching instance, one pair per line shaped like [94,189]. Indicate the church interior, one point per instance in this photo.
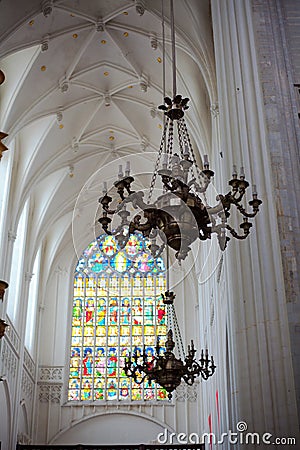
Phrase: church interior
[149,225]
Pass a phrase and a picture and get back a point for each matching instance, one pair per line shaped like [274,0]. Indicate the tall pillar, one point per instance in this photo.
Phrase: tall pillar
[276,24]
[262,384]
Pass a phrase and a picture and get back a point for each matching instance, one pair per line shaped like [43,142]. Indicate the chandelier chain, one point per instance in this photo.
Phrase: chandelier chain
[169,322]
[181,139]
[170,139]
[161,147]
[186,134]
[168,267]
[178,337]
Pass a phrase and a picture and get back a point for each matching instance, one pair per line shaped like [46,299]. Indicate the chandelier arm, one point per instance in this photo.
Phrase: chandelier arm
[189,379]
[236,235]
[119,207]
[192,370]
[110,211]
[219,228]
[213,210]
[137,377]
[245,213]
[204,375]
[229,200]
[136,199]
[116,231]
[105,228]
[160,250]
[135,225]
[197,186]
[134,370]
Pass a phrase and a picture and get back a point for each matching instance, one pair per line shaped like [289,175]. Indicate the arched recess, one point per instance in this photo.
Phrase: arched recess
[5,415]
[113,428]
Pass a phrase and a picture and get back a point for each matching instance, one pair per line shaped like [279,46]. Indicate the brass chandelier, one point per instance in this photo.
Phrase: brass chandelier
[164,368]
[182,214]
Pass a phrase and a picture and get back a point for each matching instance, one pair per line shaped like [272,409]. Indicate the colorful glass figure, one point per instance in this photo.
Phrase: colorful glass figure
[117,308]
[98,262]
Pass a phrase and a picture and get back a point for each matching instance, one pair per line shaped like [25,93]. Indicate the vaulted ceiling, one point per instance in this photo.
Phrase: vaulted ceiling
[83,82]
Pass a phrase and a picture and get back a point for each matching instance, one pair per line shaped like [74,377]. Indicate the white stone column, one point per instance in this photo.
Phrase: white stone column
[261,367]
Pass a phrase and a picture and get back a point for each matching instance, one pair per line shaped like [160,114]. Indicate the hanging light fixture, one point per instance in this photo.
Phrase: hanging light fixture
[164,368]
[182,214]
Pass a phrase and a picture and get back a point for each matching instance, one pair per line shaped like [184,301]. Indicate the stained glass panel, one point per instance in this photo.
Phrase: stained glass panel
[117,309]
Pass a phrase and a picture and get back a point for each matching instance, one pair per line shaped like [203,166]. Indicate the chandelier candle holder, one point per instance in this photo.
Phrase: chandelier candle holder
[164,368]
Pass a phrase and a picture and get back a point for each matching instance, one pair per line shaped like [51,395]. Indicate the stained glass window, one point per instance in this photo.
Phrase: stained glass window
[117,308]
